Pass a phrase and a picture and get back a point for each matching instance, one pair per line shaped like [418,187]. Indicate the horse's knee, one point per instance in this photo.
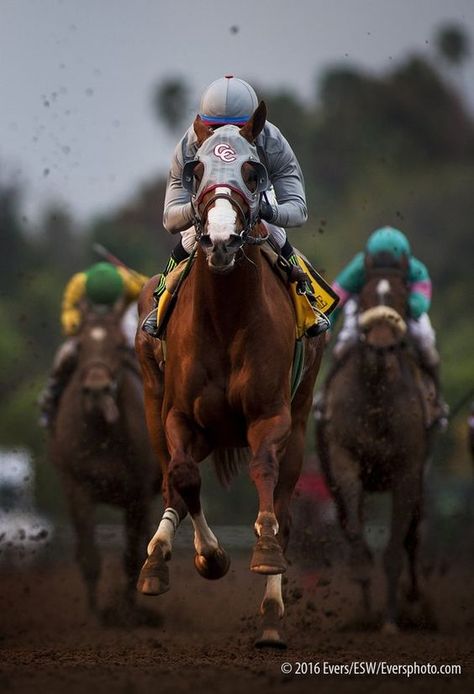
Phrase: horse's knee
[184,476]
[264,468]
[184,473]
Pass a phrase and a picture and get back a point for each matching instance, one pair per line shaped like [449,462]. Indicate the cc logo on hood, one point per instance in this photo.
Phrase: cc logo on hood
[225,152]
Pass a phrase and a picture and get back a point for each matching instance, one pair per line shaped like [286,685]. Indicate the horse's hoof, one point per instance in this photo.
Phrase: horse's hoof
[390,628]
[215,566]
[268,557]
[154,578]
[270,638]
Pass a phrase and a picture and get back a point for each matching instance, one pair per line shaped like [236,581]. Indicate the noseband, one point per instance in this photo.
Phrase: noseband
[249,224]
[389,316]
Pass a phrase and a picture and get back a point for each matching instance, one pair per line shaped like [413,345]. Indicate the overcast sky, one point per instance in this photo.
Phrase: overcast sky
[76,76]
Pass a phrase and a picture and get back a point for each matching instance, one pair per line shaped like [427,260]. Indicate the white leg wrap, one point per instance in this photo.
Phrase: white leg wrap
[165,533]
[273,592]
[205,542]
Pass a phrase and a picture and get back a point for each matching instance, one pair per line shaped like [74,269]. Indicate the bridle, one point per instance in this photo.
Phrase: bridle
[245,236]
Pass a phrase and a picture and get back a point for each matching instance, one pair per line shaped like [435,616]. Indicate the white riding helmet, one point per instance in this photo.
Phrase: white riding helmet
[228,101]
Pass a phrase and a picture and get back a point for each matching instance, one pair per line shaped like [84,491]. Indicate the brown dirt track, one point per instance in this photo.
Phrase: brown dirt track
[49,642]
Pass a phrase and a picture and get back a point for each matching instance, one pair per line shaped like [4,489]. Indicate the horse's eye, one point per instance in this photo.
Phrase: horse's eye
[250,178]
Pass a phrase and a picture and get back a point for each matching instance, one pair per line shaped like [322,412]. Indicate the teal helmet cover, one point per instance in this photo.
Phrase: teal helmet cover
[388,240]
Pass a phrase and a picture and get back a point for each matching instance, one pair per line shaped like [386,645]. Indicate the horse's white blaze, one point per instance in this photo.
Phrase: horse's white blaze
[165,533]
[205,542]
[222,218]
[273,592]
[383,289]
[98,333]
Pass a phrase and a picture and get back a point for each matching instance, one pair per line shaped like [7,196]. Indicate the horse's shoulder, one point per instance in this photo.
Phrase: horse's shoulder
[146,295]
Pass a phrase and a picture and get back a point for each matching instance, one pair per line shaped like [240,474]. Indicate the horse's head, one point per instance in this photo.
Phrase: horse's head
[227,180]
[101,355]
[383,303]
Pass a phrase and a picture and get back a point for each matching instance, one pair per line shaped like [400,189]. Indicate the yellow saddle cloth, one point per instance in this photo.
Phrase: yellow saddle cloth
[306,316]
[326,298]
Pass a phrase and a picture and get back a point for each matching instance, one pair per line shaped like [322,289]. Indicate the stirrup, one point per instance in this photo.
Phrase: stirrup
[320,327]
[150,324]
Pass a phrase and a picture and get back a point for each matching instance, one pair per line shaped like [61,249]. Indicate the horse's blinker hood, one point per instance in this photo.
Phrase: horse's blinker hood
[223,155]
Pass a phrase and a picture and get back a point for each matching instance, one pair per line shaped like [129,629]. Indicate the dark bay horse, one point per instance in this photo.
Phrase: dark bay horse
[101,448]
[226,380]
[372,436]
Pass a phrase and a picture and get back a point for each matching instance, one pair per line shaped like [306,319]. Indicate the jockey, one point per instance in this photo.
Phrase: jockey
[103,287]
[350,281]
[231,101]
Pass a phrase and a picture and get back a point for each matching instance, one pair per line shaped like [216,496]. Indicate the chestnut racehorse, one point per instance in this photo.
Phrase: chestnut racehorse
[372,436]
[226,381]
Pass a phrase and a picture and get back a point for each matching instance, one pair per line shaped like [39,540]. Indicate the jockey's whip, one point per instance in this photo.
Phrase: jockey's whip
[111,258]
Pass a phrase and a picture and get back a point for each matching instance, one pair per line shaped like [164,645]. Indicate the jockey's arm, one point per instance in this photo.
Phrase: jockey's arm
[178,213]
[348,283]
[70,311]
[287,179]
[419,300]
[133,283]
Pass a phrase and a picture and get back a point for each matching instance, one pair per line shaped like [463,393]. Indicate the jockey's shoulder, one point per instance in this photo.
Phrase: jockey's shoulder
[271,139]
[351,277]
[417,271]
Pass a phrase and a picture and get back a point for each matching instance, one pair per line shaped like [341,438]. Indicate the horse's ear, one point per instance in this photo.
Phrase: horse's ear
[253,127]
[201,129]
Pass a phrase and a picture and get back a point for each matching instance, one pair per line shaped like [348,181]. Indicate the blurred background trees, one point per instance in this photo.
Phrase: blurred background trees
[394,148]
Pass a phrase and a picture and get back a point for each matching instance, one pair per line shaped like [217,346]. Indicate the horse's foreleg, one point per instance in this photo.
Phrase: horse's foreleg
[405,497]
[211,561]
[154,575]
[348,493]
[136,528]
[412,540]
[87,554]
[272,610]
[267,439]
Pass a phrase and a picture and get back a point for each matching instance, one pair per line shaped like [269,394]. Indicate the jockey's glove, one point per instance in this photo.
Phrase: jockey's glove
[267,212]
[71,320]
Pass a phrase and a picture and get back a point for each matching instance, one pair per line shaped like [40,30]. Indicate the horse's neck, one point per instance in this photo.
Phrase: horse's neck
[231,298]
[383,374]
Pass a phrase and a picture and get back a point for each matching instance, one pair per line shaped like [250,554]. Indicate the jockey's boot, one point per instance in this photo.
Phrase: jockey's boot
[65,362]
[297,274]
[178,254]
[50,396]
[48,401]
[430,364]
